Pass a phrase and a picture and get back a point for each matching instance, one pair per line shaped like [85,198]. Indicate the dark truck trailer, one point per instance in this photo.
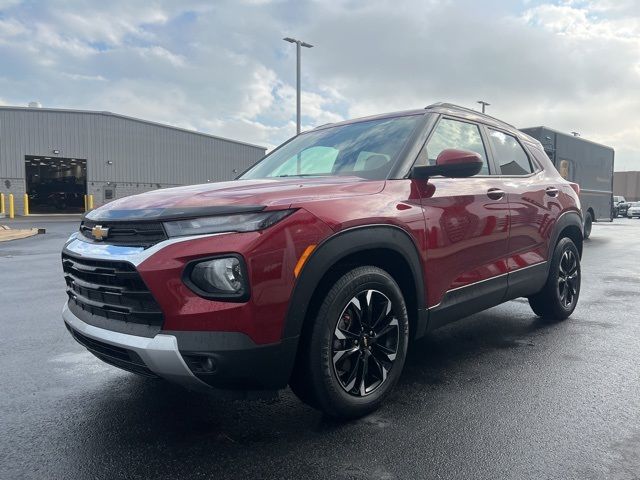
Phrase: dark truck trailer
[586,163]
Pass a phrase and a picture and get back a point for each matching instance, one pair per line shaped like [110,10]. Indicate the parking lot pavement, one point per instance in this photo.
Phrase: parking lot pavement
[498,395]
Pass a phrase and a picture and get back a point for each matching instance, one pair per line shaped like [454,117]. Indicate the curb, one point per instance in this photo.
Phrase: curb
[7,234]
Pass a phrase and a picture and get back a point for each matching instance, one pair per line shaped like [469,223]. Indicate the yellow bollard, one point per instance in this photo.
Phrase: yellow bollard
[2,211]
[90,202]
[85,203]
[12,213]
[26,204]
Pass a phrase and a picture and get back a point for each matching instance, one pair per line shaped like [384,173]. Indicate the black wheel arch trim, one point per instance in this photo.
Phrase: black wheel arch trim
[566,219]
[341,245]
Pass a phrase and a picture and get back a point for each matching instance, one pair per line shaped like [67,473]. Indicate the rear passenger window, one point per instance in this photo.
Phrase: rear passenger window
[453,134]
[509,154]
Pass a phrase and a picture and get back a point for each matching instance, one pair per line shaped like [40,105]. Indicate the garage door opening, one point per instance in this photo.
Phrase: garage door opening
[56,185]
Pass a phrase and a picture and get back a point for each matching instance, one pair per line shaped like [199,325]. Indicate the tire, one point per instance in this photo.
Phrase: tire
[558,298]
[345,369]
[588,223]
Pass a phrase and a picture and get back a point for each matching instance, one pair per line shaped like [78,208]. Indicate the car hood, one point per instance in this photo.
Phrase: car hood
[235,196]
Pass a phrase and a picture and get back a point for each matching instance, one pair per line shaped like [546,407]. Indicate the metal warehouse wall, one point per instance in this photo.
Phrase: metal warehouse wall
[627,184]
[143,155]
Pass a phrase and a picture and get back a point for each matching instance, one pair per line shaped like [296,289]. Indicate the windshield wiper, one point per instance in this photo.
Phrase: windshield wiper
[301,175]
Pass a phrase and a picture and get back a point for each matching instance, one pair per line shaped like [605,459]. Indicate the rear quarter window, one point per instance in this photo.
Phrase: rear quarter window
[509,154]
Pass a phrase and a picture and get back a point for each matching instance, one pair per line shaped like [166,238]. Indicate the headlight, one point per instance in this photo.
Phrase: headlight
[221,278]
[244,222]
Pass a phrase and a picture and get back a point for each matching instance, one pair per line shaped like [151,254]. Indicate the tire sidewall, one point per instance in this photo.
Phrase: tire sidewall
[588,225]
[359,279]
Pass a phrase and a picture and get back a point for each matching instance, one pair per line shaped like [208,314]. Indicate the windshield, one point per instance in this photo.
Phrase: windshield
[366,149]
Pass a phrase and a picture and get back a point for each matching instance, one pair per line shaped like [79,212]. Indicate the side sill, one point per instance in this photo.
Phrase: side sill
[462,302]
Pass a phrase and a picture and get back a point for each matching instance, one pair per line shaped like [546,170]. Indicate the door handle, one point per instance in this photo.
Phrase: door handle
[552,191]
[495,193]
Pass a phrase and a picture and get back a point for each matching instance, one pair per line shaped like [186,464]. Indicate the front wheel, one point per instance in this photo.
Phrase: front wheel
[356,347]
[559,297]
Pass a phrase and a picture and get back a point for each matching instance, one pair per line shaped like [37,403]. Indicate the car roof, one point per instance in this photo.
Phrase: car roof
[442,108]
[403,113]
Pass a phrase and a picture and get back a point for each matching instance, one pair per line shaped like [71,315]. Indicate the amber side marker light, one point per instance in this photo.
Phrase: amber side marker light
[303,259]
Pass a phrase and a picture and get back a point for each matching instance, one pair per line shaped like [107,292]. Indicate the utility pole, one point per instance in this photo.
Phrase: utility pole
[484,104]
[299,44]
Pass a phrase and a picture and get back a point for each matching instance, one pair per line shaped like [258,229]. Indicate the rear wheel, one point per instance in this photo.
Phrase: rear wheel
[559,297]
[356,348]
[588,223]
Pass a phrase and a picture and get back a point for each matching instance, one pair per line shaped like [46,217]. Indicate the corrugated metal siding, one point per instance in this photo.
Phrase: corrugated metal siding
[627,184]
[140,152]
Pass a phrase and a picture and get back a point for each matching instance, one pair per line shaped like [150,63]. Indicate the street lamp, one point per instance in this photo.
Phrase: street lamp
[484,104]
[299,43]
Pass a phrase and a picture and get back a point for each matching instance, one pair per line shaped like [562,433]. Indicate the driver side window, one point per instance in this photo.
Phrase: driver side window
[453,134]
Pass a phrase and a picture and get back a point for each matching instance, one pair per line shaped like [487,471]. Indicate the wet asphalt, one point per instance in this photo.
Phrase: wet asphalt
[498,395]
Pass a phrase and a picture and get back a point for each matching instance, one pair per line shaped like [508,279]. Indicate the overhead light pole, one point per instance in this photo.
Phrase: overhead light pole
[299,44]
[484,104]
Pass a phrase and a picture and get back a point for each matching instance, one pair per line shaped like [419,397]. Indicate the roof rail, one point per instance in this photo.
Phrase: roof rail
[453,106]
[323,125]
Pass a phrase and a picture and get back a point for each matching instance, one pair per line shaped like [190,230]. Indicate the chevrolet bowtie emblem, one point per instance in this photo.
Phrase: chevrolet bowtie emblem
[99,232]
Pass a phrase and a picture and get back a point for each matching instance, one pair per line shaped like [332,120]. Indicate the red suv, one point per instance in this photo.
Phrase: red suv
[318,265]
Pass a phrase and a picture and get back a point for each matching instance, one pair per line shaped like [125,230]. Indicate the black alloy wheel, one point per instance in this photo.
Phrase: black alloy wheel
[568,281]
[365,343]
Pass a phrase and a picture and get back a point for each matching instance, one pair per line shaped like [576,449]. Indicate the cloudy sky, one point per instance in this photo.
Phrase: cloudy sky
[221,66]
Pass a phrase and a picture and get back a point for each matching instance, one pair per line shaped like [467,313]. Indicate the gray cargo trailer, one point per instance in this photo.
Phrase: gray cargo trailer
[586,163]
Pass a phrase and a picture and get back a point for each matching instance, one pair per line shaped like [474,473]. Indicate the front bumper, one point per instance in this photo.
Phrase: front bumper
[160,354]
[239,364]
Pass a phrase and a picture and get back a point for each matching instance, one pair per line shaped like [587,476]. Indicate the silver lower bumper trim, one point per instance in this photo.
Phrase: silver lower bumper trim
[160,353]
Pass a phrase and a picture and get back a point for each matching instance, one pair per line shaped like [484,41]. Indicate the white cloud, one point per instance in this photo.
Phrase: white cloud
[88,78]
[162,54]
[222,67]
[259,92]
[6,4]
[11,28]
[603,41]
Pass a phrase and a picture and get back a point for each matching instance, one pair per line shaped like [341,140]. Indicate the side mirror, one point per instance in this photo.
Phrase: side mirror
[451,163]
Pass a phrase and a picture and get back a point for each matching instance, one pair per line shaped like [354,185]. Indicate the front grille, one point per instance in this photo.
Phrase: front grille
[116,356]
[112,290]
[133,234]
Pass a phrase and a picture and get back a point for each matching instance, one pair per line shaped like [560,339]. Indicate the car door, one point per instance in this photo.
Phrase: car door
[534,209]
[467,225]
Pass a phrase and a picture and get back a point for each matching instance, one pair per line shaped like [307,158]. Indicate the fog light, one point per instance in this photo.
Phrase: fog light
[200,363]
[208,365]
[222,274]
[222,277]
